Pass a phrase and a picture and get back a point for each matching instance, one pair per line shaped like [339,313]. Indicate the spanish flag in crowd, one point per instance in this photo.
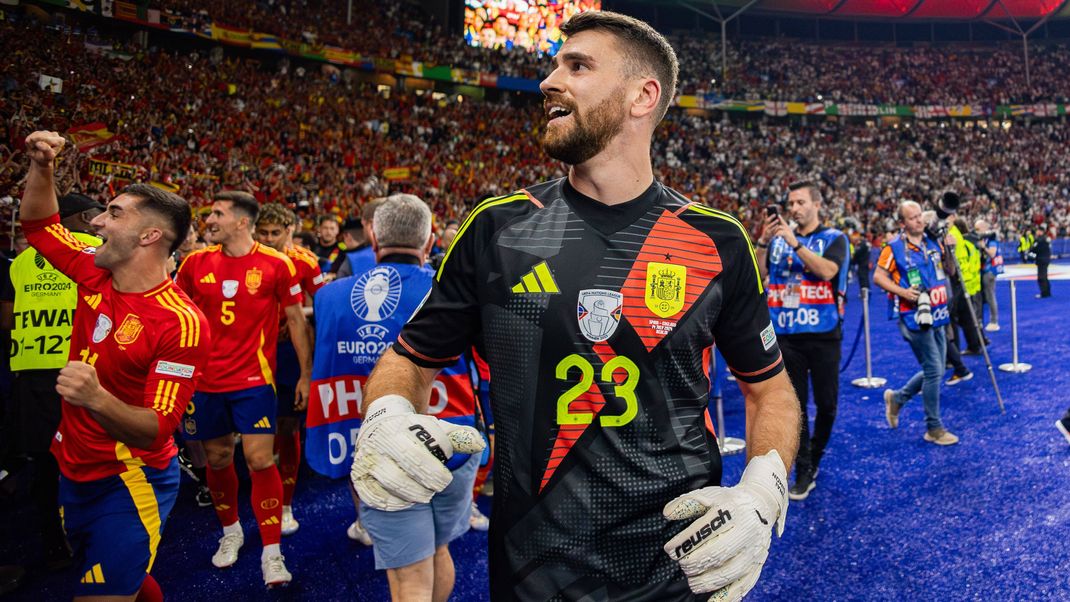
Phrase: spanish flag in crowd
[89,135]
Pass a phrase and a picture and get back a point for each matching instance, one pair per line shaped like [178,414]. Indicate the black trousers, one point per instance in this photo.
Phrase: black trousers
[1042,279]
[960,317]
[817,362]
[35,417]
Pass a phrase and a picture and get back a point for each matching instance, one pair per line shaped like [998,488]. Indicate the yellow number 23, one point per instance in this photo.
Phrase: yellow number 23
[625,390]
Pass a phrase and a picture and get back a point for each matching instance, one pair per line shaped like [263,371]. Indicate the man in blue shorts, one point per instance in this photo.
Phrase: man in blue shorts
[357,318]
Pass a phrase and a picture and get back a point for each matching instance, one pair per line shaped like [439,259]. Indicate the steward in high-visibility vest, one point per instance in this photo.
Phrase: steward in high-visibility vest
[42,315]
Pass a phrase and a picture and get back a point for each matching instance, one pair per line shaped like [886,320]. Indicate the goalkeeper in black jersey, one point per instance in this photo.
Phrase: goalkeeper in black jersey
[596,300]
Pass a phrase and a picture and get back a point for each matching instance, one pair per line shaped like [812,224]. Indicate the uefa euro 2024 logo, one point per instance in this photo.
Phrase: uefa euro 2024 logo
[376,294]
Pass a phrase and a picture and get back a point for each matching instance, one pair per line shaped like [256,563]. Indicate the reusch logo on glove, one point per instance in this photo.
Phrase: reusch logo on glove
[722,518]
[429,442]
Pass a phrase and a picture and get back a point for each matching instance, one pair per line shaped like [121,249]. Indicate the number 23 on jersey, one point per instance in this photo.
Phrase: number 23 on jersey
[624,390]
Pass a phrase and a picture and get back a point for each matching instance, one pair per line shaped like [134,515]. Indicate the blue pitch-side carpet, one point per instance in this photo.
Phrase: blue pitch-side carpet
[892,518]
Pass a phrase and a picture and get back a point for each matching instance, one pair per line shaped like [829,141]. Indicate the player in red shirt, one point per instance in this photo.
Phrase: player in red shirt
[274,228]
[241,286]
[138,347]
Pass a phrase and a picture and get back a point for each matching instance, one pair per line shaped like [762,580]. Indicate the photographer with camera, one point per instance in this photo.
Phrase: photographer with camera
[914,268]
[806,267]
[993,267]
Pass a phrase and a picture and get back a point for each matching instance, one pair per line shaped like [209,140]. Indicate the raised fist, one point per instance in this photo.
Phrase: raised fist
[43,147]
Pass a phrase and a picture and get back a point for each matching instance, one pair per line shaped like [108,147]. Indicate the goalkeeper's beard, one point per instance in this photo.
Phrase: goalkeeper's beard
[590,132]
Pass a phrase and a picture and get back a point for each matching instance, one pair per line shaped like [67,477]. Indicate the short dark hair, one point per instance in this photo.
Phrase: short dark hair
[644,48]
[307,239]
[276,213]
[168,205]
[815,192]
[242,201]
[327,218]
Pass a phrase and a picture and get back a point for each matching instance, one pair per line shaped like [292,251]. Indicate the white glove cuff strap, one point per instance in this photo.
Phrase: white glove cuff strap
[387,405]
[767,475]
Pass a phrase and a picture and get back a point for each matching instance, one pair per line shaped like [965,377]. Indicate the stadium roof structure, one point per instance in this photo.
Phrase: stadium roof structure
[914,10]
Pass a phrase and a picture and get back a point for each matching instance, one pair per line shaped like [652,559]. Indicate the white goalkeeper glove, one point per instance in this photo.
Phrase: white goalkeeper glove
[401,455]
[724,550]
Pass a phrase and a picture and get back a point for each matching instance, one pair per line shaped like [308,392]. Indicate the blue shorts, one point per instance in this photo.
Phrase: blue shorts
[115,524]
[247,411]
[402,538]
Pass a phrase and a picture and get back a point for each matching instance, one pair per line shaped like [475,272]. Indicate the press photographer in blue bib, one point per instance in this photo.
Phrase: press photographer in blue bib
[806,268]
[914,268]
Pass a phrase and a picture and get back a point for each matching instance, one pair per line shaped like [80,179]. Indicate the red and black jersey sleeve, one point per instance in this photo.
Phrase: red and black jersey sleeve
[448,322]
[743,332]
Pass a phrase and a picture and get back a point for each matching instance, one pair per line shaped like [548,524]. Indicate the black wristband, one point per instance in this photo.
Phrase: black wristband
[798,245]
[762,245]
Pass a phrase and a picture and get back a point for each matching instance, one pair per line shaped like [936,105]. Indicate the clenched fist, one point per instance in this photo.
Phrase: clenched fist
[78,384]
[43,147]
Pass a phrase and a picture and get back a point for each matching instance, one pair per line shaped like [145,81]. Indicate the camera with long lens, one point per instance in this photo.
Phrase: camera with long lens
[924,313]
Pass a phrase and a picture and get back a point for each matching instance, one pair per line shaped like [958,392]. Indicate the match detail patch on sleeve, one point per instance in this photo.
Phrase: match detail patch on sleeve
[768,337]
[295,289]
[174,369]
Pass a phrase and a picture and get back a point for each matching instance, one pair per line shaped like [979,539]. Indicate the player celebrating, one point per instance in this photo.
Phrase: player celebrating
[274,228]
[600,415]
[137,350]
[241,285]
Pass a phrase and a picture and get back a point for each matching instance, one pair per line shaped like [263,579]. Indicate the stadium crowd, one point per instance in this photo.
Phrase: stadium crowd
[273,135]
[195,121]
[943,75]
[768,69]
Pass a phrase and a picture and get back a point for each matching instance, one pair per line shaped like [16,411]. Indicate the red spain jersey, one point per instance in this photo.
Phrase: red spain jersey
[308,275]
[308,269]
[148,348]
[243,298]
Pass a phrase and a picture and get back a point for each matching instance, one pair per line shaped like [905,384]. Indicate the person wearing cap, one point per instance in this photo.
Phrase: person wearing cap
[39,306]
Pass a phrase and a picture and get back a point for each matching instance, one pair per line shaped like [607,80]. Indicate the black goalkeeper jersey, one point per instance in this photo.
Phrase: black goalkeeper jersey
[597,323]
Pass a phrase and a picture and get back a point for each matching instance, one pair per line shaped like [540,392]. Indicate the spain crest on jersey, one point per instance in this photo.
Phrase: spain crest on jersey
[665,284]
[129,330]
[253,278]
[598,312]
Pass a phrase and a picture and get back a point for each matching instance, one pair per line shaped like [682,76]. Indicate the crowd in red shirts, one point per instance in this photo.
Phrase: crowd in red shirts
[319,140]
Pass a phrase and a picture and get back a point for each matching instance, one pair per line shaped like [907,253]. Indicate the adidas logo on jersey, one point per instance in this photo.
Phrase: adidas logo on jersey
[92,300]
[209,279]
[94,575]
[263,423]
[538,280]
[271,520]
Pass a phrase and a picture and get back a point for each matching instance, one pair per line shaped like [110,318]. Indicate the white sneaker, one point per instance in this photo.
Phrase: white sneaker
[478,520]
[990,327]
[289,523]
[275,573]
[227,554]
[357,532]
